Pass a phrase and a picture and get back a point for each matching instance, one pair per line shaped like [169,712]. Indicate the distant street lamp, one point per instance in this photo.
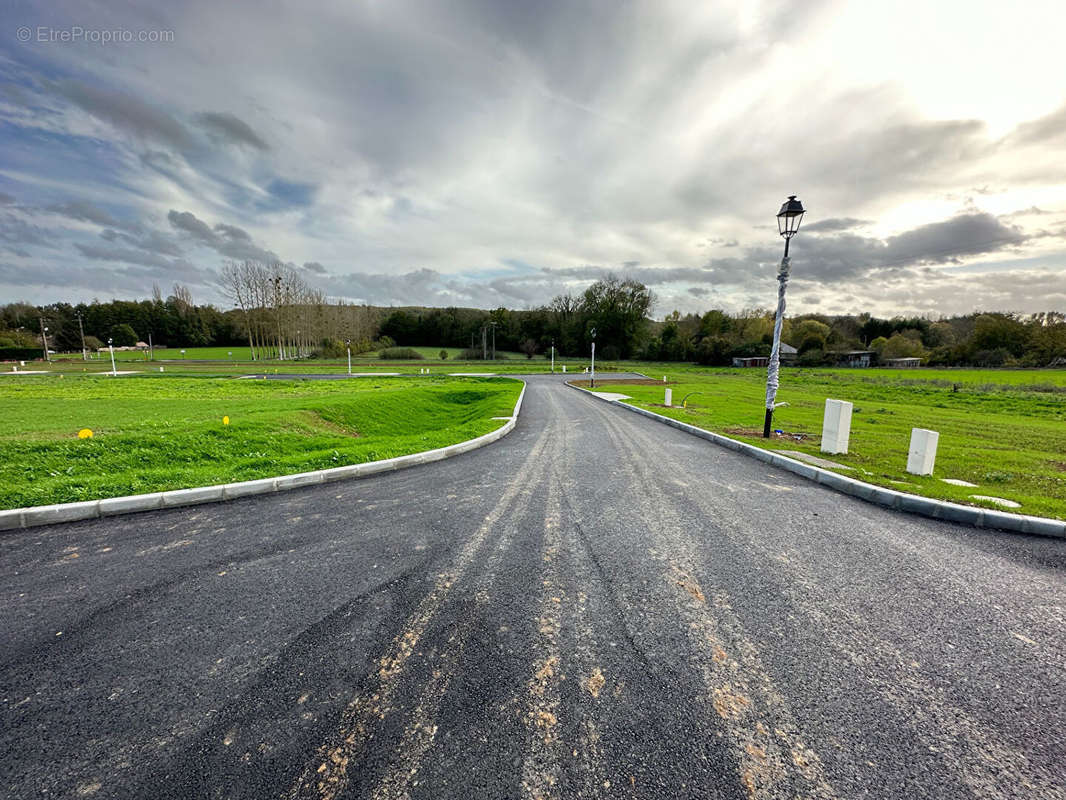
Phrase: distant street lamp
[114,371]
[788,222]
[553,356]
[44,339]
[81,328]
[348,344]
[592,381]
[493,324]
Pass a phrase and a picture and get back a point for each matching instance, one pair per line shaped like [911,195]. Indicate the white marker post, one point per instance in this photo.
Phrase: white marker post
[669,401]
[922,453]
[111,347]
[348,344]
[836,426]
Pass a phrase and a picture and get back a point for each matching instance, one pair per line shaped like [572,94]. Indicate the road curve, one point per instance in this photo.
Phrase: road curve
[596,606]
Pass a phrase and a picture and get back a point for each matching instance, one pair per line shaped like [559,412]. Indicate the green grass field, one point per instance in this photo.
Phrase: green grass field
[158,433]
[1004,430]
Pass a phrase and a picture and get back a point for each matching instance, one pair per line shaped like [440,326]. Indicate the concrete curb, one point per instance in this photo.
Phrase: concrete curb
[33,516]
[901,501]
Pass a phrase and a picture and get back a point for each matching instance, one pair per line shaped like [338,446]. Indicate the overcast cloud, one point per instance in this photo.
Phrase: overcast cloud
[494,153]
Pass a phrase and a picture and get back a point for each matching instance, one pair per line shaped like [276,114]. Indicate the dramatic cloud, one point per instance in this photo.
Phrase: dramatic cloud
[127,113]
[230,128]
[493,153]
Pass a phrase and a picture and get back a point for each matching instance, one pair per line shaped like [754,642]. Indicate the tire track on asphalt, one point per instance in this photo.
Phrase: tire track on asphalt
[765,739]
[988,766]
[420,732]
[326,775]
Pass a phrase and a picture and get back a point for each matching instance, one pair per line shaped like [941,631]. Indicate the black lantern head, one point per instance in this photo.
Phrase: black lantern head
[789,217]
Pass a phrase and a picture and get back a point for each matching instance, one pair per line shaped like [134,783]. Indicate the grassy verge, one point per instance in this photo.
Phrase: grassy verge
[1002,430]
[153,434]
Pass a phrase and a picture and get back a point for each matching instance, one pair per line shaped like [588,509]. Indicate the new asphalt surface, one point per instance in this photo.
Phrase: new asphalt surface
[595,606]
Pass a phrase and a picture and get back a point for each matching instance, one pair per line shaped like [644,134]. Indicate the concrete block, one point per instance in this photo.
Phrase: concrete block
[669,401]
[341,473]
[298,480]
[127,505]
[956,512]
[248,488]
[189,497]
[61,512]
[1041,527]
[922,454]
[10,520]
[836,426]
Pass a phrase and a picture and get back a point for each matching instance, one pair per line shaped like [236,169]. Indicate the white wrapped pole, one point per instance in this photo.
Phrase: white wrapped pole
[775,353]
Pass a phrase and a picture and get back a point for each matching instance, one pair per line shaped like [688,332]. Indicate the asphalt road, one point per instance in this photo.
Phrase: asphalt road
[596,606]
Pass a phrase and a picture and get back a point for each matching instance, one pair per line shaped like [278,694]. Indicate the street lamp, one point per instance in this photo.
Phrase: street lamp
[348,344]
[44,339]
[493,324]
[592,381]
[114,371]
[553,356]
[788,222]
[81,328]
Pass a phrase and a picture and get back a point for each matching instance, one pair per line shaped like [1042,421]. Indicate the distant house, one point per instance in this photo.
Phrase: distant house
[789,354]
[753,361]
[902,363]
[854,358]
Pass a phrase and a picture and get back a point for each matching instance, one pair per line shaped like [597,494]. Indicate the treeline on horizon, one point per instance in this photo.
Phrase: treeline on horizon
[279,316]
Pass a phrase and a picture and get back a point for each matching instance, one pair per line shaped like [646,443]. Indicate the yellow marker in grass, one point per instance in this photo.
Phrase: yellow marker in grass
[225,420]
[85,433]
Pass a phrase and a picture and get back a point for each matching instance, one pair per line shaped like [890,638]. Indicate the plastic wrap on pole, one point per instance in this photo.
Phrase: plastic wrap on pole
[775,354]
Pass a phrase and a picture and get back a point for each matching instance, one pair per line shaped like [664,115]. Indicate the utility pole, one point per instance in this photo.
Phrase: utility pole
[151,349]
[553,356]
[592,382]
[484,343]
[81,329]
[44,338]
[493,340]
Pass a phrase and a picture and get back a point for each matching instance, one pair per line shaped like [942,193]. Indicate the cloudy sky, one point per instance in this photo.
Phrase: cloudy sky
[496,152]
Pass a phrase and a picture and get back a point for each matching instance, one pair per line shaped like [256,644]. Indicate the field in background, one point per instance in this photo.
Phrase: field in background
[153,434]
[1004,430]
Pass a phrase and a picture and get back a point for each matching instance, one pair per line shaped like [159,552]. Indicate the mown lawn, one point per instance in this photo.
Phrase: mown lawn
[157,433]
[1004,430]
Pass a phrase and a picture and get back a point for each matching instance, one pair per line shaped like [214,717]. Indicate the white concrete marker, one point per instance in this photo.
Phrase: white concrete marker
[836,426]
[669,401]
[564,367]
[922,454]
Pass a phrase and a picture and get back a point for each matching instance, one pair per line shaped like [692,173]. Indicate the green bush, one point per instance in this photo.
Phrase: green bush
[20,353]
[399,353]
[443,355]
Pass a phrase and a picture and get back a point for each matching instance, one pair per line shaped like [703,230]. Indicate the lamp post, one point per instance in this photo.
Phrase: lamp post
[553,356]
[81,328]
[348,344]
[493,324]
[592,381]
[788,222]
[111,347]
[44,339]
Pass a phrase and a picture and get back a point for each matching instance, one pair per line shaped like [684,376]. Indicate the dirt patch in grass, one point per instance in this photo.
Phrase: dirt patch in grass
[790,436]
[319,421]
